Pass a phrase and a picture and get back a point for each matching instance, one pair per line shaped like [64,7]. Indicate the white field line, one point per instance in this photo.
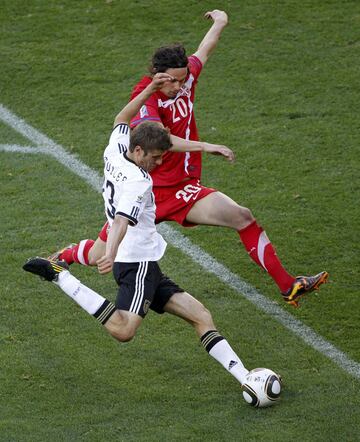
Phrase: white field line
[175,238]
[22,149]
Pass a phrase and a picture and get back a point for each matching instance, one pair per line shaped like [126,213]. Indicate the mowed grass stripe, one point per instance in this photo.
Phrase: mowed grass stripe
[176,239]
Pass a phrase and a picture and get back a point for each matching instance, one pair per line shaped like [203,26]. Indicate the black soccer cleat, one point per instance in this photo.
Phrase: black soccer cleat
[45,268]
[302,285]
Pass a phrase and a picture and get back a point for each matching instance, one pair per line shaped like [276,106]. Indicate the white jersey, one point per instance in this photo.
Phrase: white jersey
[127,192]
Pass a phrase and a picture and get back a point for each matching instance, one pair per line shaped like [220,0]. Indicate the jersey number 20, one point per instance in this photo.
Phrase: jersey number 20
[181,107]
[188,192]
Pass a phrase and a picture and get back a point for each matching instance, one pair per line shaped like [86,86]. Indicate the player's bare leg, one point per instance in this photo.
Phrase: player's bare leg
[217,209]
[97,251]
[191,310]
[121,324]
[187,307]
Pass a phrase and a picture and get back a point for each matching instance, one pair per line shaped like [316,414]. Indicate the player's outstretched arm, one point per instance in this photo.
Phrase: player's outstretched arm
[211,38]
[133,107]
[182,145]
[219,149]
[116,234]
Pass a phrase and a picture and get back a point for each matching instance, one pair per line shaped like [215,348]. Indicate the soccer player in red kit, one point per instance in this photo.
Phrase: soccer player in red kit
[179,195]
[176,183]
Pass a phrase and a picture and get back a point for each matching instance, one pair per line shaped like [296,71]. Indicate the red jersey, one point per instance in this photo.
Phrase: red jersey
[177,114]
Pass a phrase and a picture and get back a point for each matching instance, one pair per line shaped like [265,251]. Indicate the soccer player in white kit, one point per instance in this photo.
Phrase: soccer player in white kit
[134,246]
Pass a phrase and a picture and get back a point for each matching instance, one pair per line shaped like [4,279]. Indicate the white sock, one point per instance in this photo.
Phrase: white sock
[218,347]
[89,300]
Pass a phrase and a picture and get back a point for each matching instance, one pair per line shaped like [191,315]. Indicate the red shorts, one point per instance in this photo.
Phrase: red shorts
[174,203]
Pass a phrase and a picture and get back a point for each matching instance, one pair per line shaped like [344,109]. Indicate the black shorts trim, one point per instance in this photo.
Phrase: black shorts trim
[142,285]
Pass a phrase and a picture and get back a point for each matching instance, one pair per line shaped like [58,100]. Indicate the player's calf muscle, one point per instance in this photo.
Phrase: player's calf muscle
[96,251]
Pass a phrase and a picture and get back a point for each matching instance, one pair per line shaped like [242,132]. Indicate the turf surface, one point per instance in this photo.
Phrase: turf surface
[282,90]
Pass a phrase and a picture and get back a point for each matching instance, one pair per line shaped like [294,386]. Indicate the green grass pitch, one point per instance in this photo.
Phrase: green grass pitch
[282,90]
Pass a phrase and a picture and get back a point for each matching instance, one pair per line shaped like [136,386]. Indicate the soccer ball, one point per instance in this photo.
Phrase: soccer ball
[262,387]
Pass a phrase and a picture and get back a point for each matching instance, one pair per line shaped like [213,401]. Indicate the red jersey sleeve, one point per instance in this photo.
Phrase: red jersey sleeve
[150,110]
[195,66]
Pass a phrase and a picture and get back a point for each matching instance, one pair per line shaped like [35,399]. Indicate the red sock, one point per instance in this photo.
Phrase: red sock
[263,253]
[79,253]
[67,255]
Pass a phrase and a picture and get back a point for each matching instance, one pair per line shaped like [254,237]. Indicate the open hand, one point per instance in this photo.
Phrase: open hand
[219,149]
[160,79]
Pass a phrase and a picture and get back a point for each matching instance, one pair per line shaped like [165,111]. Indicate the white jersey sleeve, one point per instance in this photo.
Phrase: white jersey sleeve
[120,138]
[132,201]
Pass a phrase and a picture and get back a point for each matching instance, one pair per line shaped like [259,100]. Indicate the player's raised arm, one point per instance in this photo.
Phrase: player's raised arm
[211,38]
[133,107]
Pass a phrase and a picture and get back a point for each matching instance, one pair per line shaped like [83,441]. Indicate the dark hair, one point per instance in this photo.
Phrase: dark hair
[150,136]
[168,57]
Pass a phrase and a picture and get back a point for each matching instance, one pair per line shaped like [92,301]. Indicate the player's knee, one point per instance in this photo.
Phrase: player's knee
[204,316]
[122,327]
[124,335]
[244,217]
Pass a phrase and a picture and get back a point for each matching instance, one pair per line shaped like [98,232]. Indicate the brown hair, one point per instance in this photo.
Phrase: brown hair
[168,57]
[150,136]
